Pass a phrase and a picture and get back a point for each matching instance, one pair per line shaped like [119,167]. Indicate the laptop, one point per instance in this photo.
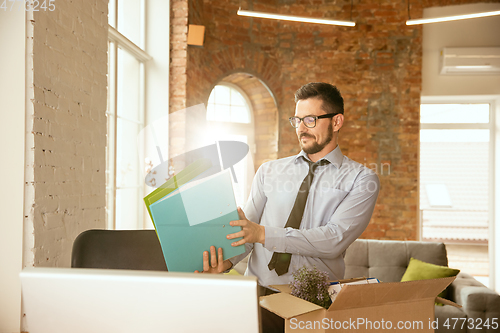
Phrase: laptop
[73,300]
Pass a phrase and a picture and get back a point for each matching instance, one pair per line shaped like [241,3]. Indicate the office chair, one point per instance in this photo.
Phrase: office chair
[118,249]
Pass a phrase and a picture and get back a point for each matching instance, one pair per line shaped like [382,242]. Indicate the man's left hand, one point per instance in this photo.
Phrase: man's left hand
[250,231]
[218,264]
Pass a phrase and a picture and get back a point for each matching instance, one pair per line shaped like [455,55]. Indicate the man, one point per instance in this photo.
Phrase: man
[304,210]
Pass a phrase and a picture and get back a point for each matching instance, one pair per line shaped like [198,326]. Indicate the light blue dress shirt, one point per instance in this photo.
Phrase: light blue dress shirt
[340,204]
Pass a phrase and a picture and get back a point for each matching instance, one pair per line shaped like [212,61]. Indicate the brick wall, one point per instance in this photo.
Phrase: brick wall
[376,65]
[66,123]
[178,78]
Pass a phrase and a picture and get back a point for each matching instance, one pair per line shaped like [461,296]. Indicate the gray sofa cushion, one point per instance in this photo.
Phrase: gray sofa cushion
[463,280]
[448,312]
[388,260]
[481,303]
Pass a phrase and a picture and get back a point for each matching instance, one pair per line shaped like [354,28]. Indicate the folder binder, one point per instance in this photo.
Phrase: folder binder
[189,173]
[194,217]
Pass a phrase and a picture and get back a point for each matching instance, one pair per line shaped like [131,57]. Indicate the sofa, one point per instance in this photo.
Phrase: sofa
[388,260]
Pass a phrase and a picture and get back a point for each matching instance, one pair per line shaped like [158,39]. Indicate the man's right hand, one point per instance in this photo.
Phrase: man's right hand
[217,263]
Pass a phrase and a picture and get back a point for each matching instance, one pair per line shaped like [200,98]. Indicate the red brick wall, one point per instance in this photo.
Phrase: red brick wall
[376,65]
[178,78]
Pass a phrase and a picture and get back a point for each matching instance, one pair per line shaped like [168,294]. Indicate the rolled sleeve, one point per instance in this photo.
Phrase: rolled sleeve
[346,224]
[238,258]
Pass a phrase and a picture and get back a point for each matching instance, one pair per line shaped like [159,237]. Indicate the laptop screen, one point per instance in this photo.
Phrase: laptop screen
[104,301]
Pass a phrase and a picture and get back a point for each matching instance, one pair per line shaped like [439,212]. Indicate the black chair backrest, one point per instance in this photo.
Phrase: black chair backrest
[118,249]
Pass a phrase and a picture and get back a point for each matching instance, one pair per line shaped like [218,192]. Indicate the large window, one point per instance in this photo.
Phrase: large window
[127,61]
[455,178]
[138,95]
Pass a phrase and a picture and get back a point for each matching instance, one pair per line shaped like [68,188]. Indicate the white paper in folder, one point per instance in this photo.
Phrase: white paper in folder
[336,286]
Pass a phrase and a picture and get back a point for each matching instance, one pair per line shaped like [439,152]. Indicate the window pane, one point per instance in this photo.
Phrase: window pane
[463,169]
[240,169]
[222,113]
[438,195]
[454,195]
[130,23]
[128,86]
[127,208]
[211,99]
[239,114]
[237,99]
[222,95]
[109,208]
[228,105]
[127,159]
[110,144]
[455,113]
[240,172]
[455,135]
[112,13]
[210,112]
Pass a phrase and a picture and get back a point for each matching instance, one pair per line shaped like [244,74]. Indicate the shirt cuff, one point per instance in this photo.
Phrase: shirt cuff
[229,269]
[275,239]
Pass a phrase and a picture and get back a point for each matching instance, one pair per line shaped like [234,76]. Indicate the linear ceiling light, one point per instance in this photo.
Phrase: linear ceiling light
[452,18]
[294,18]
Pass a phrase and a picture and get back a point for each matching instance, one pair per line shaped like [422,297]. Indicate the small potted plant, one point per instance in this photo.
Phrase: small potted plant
[311,285]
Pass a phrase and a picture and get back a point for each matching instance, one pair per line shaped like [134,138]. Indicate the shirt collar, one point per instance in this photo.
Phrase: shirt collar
[335,157]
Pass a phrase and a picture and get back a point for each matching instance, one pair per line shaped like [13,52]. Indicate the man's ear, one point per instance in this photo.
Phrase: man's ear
[338,121]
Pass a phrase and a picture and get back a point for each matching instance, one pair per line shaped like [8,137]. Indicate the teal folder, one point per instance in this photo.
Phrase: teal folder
[186,175]
[194,217]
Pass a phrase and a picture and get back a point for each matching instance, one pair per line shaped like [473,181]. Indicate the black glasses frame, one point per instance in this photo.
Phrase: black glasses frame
[293,119]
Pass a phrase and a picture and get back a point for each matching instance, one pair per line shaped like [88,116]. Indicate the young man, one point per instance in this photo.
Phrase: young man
[304,210]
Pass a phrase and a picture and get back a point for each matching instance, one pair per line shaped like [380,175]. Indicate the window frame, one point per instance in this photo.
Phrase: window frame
[494,160]
[117,40]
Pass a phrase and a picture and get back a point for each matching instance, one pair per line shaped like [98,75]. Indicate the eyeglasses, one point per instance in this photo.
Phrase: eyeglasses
[309,121]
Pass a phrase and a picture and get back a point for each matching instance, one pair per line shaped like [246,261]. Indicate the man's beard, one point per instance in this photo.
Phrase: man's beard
[317,147]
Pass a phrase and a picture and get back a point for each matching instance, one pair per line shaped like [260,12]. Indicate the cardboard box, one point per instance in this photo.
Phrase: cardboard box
[395,306]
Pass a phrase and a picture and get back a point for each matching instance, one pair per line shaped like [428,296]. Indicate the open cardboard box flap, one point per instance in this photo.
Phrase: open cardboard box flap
[284,288]
[287,306]
[357,296]
[387,293]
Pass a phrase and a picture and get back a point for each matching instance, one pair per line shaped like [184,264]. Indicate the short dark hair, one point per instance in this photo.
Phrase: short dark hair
[328,93]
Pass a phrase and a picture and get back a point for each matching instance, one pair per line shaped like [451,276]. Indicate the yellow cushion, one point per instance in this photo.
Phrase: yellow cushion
[419,270]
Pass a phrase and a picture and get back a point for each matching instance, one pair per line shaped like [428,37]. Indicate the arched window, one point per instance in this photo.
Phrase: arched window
[229,116]
[228,104]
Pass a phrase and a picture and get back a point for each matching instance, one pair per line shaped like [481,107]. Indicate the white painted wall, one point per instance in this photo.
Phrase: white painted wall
[12,111]
[65,162]
[466,33]
[66,125]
